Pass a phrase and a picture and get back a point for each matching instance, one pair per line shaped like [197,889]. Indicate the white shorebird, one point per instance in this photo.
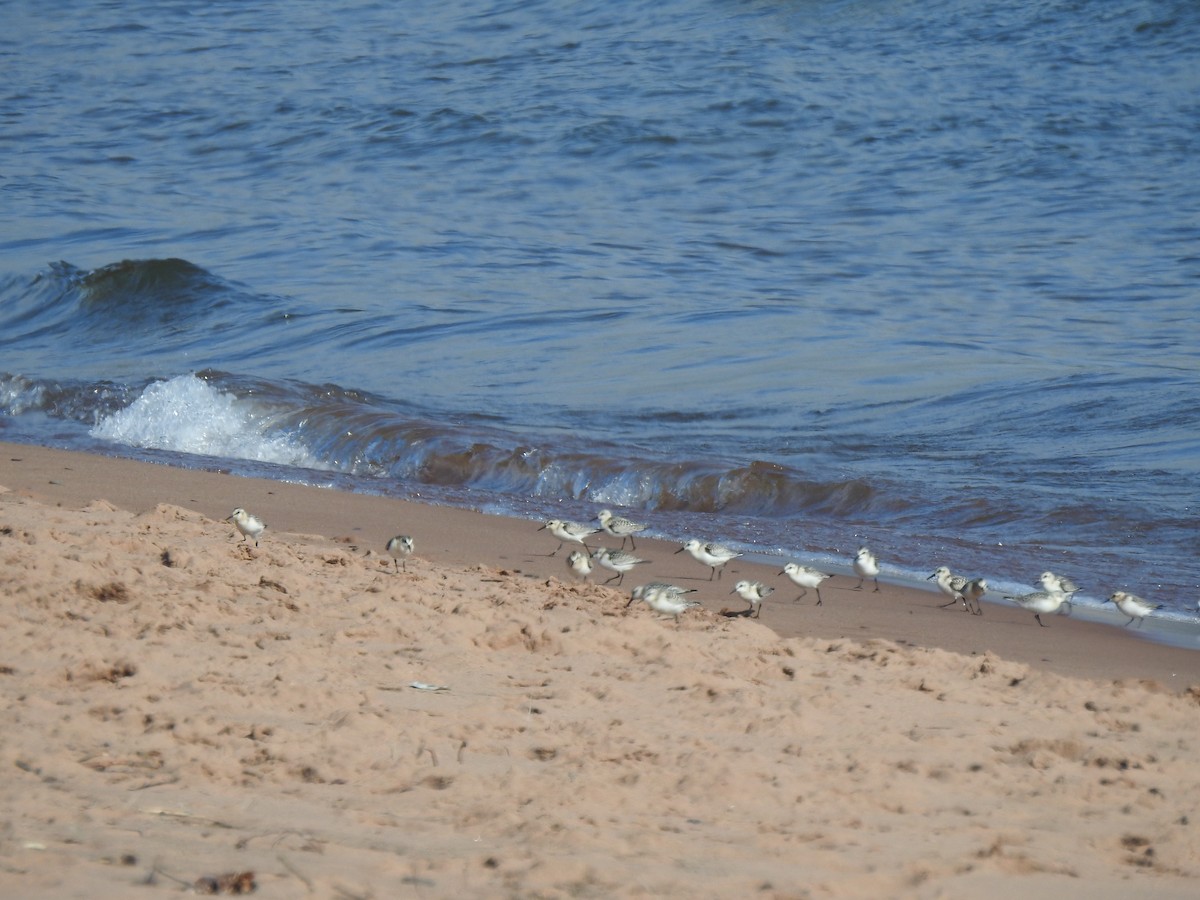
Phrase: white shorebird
[401,548]
[754,593]
[1060,583]
[569,531]
[664,598]
[660,587]
[712,555]
[250,526]
[951,585]
[1133,606]
[579,563]
[618,526]
[616,561]
[1040,602]
[866,566]
[805,577]
[973,592]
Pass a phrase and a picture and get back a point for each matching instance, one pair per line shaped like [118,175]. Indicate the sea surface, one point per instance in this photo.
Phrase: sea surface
[797,276]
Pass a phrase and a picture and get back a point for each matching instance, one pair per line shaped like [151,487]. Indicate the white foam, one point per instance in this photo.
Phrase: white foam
[188,415]
[18,394]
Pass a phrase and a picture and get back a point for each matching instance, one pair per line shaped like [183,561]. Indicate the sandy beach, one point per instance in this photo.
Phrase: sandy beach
[185,710]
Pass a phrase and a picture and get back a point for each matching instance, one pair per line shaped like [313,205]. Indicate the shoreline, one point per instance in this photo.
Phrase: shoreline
[1073,646]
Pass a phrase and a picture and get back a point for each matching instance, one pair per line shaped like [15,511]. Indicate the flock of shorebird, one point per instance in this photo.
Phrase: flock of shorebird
[671,600]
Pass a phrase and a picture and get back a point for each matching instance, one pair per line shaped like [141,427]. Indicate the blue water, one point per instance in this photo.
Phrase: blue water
[796,275]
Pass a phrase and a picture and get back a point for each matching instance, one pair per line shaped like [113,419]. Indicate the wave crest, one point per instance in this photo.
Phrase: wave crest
[150,291]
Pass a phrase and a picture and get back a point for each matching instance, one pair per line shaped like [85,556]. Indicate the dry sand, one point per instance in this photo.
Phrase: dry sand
[179,705]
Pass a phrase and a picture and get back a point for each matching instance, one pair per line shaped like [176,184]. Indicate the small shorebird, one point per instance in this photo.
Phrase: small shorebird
[569,531]
[950,585]
[1040,602]
[1133,606]
[754,593]
[616,561]
[664,598]
[401,548]
[866,566]
[712,555]
[1060,583]
[658,587]
[579,563]
[805,577]
[250,526]
[618,526]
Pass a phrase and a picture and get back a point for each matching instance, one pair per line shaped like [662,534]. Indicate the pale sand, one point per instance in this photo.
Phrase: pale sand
[179,704]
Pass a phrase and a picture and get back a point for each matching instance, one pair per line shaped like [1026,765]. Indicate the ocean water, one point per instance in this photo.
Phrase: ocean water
[793,275]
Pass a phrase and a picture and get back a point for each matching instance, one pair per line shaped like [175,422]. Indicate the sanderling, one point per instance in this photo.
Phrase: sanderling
[972,592]
[1133,606]
[1040,602]
[579,563]
[805,577]
[754,593]
[569,531]
[664,598]
[401,548]
[620,527]
[712,555]
[866,566]
[616,561]
[250,526]
[950,585]
[1052,582]
[661,587]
